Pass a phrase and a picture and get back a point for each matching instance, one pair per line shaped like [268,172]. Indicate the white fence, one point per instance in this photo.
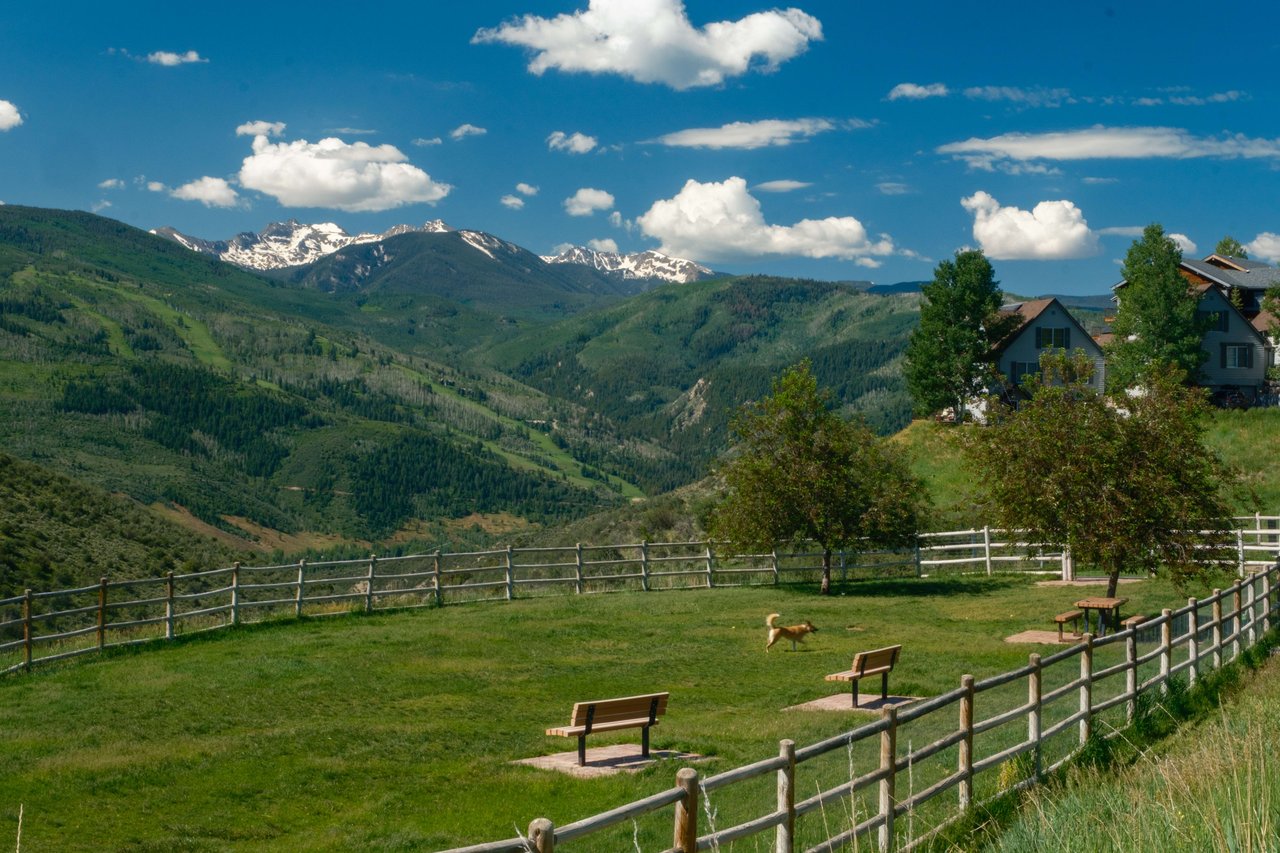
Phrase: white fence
[51,625]
[1012,729]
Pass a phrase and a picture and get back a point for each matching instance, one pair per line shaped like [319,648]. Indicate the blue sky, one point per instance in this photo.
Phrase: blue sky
[830,139]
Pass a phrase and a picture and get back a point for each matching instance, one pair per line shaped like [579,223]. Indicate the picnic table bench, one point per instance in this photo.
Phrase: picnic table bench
[875,662]
[608,715]
[1072,616]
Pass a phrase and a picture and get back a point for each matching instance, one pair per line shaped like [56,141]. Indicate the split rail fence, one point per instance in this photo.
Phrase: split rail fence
[45,626]
[989,736]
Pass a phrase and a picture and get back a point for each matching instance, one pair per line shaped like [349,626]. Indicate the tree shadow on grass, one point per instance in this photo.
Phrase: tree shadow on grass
[910,587]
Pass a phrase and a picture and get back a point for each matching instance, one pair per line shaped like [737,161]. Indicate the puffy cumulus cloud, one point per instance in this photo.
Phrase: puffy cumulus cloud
[512,201]
[9,116]
[747,134]
[587,201]
[781,186]
[169,59]
[916,92]
[1265,246]
[653,41]
[211,192]
[462,131]
[603,245]
[111,184]
[717,221]
[1052,230]
[261,128]
[1100,143]
[156,187]
[526,189]
[1185,243]
[577,143]
[355,176]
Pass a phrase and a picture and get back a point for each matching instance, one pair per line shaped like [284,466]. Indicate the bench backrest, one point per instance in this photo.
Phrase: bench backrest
[876,660]
[625,708]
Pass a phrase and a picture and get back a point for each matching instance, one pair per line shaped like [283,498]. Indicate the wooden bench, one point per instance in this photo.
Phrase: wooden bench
[608,715]
[1133,621]
[875,662]
[1072,616]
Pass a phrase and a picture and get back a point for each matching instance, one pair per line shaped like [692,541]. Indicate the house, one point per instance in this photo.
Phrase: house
[1240,341]
[1043,324]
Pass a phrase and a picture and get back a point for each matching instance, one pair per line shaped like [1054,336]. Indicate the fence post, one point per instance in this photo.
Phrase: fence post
[1166,648]
[368,593]
[644,564]
[542,836]
[1251,607]
[776,575]
[965,761]
[784,839]
[1034,714]
[1086,689]
[435,578]
[1266,600]
[168,606]
[1237,609]
[235,593]
[511,580]
[1217,629]
[1068,564]
[102,613]
[686,826]
[710,566]
[577,572]
[26,630]
[1131,676]
[297,595]
[1193,643]
[986,545]
[888,768]
[919,567]
[1240,551]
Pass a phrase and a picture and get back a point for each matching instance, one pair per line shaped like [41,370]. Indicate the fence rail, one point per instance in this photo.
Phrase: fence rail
[46,626]
[1068,696]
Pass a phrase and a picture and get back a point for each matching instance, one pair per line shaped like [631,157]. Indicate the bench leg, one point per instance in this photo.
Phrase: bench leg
[644,742]
[884,687]
[582,750]
[1059,632]
[854,690]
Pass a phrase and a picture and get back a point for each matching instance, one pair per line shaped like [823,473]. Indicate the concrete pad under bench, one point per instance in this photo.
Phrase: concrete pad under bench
[844,702]
[606,760]
[1048,638]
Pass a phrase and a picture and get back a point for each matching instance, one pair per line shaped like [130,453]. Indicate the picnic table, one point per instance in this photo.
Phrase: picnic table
[1108,612]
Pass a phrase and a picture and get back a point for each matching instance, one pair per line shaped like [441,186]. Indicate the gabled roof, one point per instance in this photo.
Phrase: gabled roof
[1249,275]
[1028,312]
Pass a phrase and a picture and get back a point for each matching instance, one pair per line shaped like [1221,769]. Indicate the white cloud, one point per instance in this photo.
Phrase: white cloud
[1037,97]
[164,57]
[211,192]
[653,41]
[1100,142]
[462,131]
[353,131]
[715,221]
[423,141]
[1265,246]
[1215,98]
[111,184]
[578,143]
[892,188]
[9,115]
[261,128]
[587,201]
[782,186]
[603,245]
[1100,181]
[915,92]
[512,201]
[102,205]
[869,263]
[156,187]
[1185,243]
[526,189]
[1052,230]
[331,173]
[747,134]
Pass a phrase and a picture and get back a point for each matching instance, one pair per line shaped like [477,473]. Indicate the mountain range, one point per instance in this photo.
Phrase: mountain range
[292,244]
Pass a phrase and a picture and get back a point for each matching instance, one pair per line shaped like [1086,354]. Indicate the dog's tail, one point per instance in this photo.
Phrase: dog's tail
[772,620]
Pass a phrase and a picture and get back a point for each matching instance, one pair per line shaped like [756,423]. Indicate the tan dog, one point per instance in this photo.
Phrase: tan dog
[786,632]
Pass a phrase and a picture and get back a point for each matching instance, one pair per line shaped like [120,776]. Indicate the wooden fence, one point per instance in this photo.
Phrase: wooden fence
[39,627]
[1037,718]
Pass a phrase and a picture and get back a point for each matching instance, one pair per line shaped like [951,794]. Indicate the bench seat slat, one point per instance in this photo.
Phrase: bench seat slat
[616,725]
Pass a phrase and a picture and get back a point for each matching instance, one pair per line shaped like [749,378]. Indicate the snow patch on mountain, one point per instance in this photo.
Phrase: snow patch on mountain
[636,265]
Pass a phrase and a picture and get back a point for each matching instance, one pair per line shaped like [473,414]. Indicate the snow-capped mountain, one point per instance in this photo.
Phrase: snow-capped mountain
[288,244]
[648,264]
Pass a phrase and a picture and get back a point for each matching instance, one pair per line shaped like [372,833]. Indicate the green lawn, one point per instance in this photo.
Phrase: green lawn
[395,731]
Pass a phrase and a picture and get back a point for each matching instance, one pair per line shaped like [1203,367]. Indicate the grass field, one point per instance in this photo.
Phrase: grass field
[395,731]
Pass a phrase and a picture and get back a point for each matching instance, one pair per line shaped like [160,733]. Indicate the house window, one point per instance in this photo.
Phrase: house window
[1237,356]
[1214,321]
[1057,338]
[1018,370]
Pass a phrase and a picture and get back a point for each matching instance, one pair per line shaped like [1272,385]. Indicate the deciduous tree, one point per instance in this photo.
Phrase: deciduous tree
[802,472]
[1156,326]
[1230,247]
[1126,483]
